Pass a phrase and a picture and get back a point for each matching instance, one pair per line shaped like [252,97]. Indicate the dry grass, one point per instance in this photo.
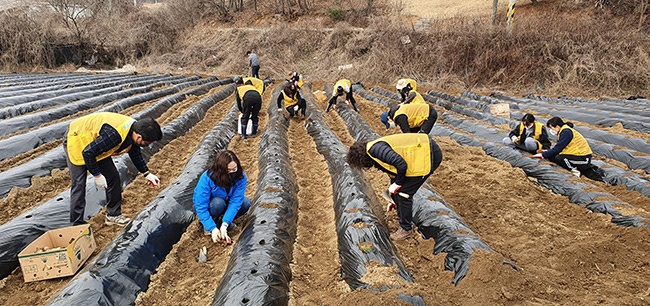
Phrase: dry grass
[555,47]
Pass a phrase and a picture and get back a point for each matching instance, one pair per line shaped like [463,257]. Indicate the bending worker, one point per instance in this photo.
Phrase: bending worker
[249,102]
[257,83]
[571,152]
[408,159]
[90,142]
[219,195]
[293,102]
[529,136]
[407,90]
[411,118]
[342,86]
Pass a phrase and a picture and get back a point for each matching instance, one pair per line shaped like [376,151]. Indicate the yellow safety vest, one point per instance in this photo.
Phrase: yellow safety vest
[414,148]
[536,133]
[415,113]
[345,83]
[85,130]
[243,89]
[578,145]
[418,99]
[289,101]
[257,83]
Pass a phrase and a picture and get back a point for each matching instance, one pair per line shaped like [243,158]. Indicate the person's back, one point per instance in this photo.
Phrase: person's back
[254,63]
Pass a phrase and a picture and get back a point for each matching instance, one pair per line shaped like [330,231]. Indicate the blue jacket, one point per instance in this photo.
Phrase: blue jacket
[206,189]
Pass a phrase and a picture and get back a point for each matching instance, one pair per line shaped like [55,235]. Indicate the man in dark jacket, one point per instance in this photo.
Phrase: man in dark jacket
[90,142]
[408,159]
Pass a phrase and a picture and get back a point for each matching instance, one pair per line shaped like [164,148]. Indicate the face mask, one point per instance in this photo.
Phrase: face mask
[233,176]
[552,132]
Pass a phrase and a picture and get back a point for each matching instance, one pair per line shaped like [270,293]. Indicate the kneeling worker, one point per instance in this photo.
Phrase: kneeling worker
[408,159]
[342,86]
[529,136]
[249,102]
[411,118]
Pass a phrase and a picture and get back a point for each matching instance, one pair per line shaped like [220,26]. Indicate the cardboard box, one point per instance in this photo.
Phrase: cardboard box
[57,253]
[502,110]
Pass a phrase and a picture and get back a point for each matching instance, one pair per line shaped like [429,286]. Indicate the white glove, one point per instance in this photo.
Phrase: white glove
[538,155]
[390,206]
[394,188]
[215,235]
[153,180]
[514,139]
[295,108]
[224,233]
[279,110]
[100,181]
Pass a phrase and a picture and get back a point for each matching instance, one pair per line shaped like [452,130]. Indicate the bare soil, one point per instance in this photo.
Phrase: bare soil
[565,254]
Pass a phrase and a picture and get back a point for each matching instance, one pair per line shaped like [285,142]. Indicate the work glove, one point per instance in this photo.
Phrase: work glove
[538,155]
[100,181]
[390,206]
[215,235]
[514,139]
[394,188]
[295,108]
[224,233]
[153,180]
[279,110]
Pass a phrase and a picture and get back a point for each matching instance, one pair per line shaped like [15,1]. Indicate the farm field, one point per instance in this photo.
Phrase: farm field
[498,227]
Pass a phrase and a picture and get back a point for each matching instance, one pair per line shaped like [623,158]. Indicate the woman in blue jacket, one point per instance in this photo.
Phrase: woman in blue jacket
[220,192]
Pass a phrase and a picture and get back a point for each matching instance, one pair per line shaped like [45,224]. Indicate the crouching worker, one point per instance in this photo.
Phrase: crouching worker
[249,103]
[411,118]
[571,152]
[90,142]
[219,195]
[529,136]
[292,100]
[408,159]
[342,86]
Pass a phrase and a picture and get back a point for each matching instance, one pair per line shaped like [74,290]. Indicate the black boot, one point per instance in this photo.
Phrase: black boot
[254,131]
[356,109]
[327,109]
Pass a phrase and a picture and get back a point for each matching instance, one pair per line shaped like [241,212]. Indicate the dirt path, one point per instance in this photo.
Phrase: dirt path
[316,266]
[449,8]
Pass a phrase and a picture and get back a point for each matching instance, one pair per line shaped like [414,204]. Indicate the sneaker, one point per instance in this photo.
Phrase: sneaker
[117,220]
[401,234]
[575,172]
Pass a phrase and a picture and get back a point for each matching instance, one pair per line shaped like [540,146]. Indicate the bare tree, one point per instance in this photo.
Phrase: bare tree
[78,15]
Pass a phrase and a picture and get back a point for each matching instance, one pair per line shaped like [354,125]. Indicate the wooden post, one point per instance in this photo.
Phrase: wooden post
[495,4]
